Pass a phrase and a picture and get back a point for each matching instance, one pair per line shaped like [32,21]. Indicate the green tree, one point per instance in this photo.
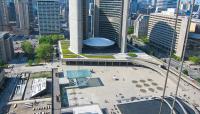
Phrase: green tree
[130,30]
[44,51]
[176,57]
[194,59]
[144,39]
[50,39]
[37,61]
[185,72]
[198,79]
[45,39]
[2,63]
[55,38]
[28,49]
[30,62]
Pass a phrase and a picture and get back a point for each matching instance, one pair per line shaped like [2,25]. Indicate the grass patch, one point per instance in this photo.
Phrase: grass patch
[132,54]
[64,44]
[70,56]
[4,66]
[176,57]
[198,80]
[43,74]
[98,56]
[65,51]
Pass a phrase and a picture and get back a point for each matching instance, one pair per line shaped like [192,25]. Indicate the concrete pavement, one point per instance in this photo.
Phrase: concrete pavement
[29,101]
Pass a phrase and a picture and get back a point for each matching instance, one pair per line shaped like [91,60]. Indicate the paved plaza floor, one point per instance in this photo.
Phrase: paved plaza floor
[133,82]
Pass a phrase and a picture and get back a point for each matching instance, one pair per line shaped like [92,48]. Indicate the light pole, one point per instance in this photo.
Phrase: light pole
[183,55]
[170,57]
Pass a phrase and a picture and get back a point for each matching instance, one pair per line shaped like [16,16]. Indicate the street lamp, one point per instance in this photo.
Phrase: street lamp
[183,55]
[170,57]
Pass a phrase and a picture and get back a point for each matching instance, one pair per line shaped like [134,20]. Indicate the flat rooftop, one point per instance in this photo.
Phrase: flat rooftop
[38,85]
[90,109]
[3,33]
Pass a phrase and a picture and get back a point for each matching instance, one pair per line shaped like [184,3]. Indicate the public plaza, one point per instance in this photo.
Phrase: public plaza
[113,85]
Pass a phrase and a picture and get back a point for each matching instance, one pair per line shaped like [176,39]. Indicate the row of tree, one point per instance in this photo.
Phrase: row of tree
[194,59]
[42,52]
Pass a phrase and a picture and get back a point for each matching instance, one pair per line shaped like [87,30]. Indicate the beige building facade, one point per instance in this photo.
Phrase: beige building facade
[161,32]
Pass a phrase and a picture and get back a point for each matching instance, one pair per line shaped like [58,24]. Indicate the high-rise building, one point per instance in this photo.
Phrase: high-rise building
[11,11]
[110,21]
[64,10]
[141,25]
[48,16]
[164,4]
[4,19]
[22,14]
[133,6]
[2,77]
[193,43]
[31,12]
[161,32]
[76,25]
[6,46]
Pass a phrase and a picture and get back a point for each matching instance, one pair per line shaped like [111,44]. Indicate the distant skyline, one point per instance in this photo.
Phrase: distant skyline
[197,1]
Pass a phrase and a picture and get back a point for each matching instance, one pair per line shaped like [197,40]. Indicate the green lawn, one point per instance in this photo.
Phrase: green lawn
[70,56]
[43,74]
[4,66]
[65,51]
[64,44]
[99,56]
[132,54]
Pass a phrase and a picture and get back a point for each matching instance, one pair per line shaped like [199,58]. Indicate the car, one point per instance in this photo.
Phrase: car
[163,67]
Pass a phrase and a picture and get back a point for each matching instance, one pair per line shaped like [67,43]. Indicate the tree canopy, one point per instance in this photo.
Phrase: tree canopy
[176,57]
[144,39]
[28,49]
[130,30]
[44,51]
[50,39]
[194,59]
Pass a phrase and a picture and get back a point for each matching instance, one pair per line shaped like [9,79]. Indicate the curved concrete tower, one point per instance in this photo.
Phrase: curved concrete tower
[75,25]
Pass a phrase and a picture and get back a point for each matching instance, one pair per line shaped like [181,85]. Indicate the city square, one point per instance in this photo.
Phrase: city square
[99,56]
[131,84]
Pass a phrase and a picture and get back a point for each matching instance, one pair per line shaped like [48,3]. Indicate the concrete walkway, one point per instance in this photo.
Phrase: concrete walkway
[30,101]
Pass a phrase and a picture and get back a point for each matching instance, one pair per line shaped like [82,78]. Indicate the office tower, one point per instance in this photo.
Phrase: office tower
[64,10]
[76,25]
[48,16]
[153,3]
[193,44]
[2,77]
[161,29]
[31,12]
[4,19]
[22,14]
[11,11]
[6,47]
[133,6]
[141,25]
[110,21]
[164,4]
